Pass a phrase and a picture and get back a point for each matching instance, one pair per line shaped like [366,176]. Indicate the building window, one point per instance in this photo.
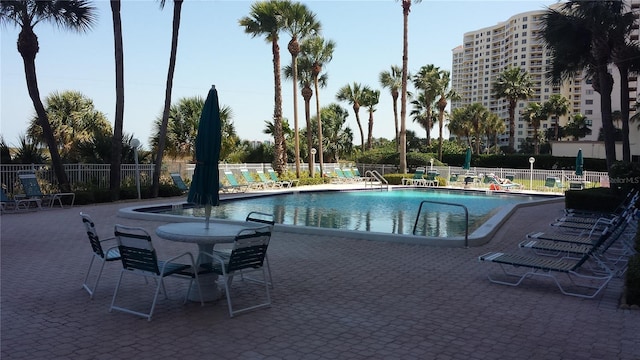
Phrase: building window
[524,18]
[524,41]
[588,112]
[524,26]
[523,63]
[523,56]
[520,126]
[589,102]
[524,33]
[589,92]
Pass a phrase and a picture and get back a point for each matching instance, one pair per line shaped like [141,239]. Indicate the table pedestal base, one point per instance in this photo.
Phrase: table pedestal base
[209,286]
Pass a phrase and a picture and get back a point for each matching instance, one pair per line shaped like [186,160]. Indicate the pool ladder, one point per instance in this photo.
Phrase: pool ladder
[374,174]
[466,217]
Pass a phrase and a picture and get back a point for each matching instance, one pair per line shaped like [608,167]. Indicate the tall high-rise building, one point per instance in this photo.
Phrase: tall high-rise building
[487,52]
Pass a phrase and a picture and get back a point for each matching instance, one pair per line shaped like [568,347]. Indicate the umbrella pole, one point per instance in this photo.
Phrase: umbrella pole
[207,215]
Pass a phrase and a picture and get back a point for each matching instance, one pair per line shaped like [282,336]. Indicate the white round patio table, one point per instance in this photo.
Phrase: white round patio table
[206,239]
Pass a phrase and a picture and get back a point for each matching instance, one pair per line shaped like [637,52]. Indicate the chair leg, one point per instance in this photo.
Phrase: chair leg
[95,285]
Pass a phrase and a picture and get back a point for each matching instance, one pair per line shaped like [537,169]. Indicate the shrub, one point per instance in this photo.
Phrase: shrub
[633,274]
[596,199]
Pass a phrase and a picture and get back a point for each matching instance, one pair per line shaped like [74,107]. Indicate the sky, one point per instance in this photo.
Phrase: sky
[214,50]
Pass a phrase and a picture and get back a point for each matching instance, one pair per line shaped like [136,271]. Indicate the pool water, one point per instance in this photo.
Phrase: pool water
[392,212]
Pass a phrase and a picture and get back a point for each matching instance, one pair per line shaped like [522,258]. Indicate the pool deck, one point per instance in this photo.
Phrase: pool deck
[334,298]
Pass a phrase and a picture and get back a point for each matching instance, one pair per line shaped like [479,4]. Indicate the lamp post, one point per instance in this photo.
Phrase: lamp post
[531,161]
[135,143]
[431,165]
[312,168]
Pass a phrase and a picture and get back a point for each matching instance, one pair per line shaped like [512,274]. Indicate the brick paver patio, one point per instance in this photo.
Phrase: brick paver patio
[334,298]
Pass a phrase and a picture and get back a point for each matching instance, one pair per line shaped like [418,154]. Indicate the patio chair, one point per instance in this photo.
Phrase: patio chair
[248,254]
[32,190]
[520,267]
[251,182]
[341,177]
[551,183]
[417,179]
[609,251]
[432,178]
[267,183]
[283,183]
[495,183]
[179,183]
[13,205]
[99,253]
[234,184]
[139,257]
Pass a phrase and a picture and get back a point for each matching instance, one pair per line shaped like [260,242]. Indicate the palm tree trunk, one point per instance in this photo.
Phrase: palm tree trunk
[294,62]
[320,150]
[624,111]
[162,137]
[116,142]
[395,118]
[406,8]
[356,110]
[28,48]
[306,95]
[370,131]
[604,87]
[512,124]
[278,135]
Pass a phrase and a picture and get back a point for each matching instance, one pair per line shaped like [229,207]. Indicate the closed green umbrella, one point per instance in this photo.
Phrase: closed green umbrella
[206,179]
[467,160]
[579,164]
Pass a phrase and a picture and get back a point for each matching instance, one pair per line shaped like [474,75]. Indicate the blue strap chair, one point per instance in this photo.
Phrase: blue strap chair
[139,257]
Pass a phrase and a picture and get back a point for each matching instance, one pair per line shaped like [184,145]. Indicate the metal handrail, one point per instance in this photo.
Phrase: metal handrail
[375,174]
[466,217]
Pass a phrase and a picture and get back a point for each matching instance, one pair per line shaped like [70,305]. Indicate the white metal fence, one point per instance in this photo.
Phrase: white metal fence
[96,176]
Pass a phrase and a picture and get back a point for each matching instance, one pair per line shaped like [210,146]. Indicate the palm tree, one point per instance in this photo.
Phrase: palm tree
[73,120]
[370,99]
[338,139]
[321,52]
[445,93]
[513,84]
[460,124]
[427,80]
[406,9]
[393,81]
[493,127]
[420,114]
[577,127]
[625,57]
[177,10]
[353,94]
[118,122]
[581,36]
[534,113]
[477,115]
[305,78]
[76,15]
[557,106]
[265,19]
[299,22]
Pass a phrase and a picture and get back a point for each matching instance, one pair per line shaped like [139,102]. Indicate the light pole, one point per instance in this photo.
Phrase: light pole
[135,143]
[531,161]
[312,168]
[431,166]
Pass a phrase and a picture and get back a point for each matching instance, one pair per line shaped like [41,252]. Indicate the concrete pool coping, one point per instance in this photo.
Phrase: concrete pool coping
[482,235]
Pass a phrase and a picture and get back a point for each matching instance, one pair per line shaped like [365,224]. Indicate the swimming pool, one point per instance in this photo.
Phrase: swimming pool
[370,212]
